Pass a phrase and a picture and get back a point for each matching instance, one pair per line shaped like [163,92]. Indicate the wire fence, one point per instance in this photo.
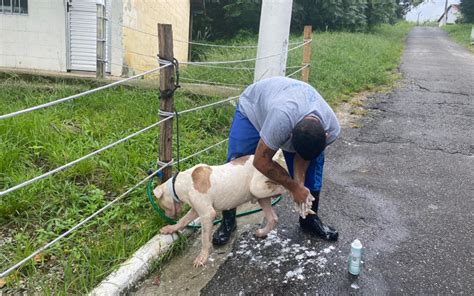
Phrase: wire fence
[249,59]
[82,94]
[98,212]
[77,226]
[165,117]
[249,46]
[198,81]
[297,71]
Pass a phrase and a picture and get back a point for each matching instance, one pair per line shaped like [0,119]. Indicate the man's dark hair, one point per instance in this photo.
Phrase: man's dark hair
[309,138]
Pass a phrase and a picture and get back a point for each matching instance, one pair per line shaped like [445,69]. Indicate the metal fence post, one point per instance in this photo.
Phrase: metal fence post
[101,18]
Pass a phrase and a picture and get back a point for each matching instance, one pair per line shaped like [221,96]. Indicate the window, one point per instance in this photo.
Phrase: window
[14,6]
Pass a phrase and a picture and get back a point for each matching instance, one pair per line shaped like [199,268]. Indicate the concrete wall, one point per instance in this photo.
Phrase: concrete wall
[36,40]
[140,49]
[39,40]
[116,40]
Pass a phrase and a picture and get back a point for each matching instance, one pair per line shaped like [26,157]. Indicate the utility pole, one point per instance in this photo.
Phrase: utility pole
[446,12]
[100,47]
[273,37]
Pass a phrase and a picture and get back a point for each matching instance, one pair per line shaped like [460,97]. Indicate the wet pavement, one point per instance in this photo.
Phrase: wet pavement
[402,183]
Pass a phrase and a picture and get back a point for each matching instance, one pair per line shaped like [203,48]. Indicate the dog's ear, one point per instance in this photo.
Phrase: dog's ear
[158,192]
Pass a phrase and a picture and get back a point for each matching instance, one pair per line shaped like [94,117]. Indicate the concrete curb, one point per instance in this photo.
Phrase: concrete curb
[137,267]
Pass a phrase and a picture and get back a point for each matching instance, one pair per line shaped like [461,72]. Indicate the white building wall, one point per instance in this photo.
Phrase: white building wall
[116,40]
[140,40]
[36,40]
[453,15]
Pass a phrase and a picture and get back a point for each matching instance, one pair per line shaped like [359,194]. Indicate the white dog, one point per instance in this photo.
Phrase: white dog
[208,189]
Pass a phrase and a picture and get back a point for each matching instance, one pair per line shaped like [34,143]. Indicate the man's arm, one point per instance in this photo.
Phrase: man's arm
[264,163]
[300,168]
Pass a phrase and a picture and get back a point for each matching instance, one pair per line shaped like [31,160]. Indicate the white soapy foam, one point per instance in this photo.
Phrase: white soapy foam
[283,251]
[328,249]
[299,257]
[297,273]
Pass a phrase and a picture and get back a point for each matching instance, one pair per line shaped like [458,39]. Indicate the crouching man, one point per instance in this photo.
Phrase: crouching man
[284,113]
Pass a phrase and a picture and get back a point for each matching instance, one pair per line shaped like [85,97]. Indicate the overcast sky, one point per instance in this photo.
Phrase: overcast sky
[429,10]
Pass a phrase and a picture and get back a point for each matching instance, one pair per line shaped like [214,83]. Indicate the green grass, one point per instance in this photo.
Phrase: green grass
[37,142]
[31,144]
[461,33]
[342,63]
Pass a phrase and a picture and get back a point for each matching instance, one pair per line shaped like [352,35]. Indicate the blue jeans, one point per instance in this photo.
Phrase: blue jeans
[243,140]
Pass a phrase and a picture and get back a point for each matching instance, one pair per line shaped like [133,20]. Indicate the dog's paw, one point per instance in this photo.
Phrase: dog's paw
[168,229]
[261,233]
[200,260]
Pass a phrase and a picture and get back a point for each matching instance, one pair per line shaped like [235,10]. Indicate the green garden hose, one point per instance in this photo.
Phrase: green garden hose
[168,220]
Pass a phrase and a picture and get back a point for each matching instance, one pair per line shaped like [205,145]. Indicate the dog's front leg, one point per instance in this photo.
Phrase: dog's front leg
[207,217]
[183,222]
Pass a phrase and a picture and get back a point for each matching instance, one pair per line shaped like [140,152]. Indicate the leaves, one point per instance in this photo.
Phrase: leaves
[467,10]
[226,18]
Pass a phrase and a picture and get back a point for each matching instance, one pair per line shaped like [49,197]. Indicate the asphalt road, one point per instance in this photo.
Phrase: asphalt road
[403,183]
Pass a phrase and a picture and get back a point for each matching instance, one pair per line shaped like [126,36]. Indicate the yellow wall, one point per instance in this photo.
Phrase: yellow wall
[140,49]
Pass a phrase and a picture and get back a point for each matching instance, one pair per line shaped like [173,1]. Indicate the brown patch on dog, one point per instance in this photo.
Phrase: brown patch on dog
[202,178]
[240,161]
[271,183]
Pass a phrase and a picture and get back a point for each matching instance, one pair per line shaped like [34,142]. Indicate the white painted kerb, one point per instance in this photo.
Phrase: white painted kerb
[137,267]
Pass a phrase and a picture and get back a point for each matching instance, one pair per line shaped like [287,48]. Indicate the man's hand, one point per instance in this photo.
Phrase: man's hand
[300,194]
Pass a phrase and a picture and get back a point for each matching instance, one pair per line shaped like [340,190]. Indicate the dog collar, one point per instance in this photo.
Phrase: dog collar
[172,189]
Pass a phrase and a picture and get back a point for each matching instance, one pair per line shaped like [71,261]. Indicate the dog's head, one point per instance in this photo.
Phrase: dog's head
[165,200]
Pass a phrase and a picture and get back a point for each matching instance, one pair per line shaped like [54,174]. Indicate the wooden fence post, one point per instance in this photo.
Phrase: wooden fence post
[100,47]
[165,50]
[306,53]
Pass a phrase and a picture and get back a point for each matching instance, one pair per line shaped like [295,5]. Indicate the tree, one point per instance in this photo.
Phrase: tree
[467,10]
[226,18]
[381,11]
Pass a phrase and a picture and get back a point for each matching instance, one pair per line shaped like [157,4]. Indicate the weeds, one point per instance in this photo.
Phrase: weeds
[461,33]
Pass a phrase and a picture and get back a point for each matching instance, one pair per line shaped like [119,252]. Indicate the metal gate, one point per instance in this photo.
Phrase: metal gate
[82,41]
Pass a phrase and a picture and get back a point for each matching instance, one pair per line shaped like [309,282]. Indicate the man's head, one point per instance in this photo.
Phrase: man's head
[309,138]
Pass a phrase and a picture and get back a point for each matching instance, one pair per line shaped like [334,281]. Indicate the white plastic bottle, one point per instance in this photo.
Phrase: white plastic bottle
[355,257]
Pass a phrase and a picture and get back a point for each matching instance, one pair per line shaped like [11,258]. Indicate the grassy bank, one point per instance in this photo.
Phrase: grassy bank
[342,63]
[38,142]
[31,144]
[461,33]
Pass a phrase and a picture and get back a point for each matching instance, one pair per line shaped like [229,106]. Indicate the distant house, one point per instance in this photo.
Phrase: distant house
[453,12]
[428,11]
[60,35]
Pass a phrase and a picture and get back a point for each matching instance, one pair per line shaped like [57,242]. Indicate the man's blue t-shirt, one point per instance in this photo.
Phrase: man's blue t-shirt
[275,105]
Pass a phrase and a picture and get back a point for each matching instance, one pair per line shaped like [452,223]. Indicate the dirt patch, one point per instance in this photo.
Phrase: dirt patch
[349,113]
